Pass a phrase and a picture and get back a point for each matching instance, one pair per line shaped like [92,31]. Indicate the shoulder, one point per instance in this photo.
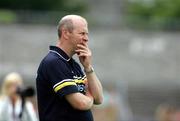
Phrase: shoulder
[52,60]
[52,64]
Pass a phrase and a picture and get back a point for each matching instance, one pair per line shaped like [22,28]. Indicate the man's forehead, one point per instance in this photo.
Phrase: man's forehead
[80,25]
[79,22]
[81,29]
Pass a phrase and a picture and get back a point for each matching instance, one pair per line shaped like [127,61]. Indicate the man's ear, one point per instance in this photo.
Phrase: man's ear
[65,33]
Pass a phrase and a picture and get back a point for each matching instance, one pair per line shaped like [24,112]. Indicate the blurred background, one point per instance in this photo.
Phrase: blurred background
[135,45]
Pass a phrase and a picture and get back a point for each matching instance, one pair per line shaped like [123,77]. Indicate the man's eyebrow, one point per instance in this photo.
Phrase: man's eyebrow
[84,32]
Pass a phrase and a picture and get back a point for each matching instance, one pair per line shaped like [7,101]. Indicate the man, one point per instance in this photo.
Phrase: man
[64,92]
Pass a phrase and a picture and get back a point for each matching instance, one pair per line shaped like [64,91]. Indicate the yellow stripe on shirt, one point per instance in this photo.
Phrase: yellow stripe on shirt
[63,85]
[80,81]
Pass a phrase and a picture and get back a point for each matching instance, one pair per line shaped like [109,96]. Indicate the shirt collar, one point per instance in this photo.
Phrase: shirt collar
[59,52]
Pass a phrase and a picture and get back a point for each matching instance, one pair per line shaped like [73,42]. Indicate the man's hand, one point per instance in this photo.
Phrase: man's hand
[84,54]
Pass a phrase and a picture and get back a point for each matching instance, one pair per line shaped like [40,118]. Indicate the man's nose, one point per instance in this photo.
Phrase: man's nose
[85,38]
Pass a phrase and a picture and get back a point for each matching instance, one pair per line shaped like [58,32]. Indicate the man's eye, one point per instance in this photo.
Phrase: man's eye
[84,33]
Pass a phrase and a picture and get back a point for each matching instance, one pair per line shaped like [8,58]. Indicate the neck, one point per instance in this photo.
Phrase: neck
[13,99]
[67,49]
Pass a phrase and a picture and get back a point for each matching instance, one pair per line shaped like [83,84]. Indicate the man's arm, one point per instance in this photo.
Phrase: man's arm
[94,85]
[80,101]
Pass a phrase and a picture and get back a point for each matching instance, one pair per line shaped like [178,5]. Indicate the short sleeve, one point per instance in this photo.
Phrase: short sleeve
[61,78]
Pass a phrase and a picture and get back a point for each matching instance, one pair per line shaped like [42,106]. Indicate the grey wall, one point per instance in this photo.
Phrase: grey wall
[147,63]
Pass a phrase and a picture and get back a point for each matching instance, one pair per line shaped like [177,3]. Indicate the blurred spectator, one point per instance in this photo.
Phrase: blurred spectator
[176,116]
[165,112]
[11,102]
[108,111]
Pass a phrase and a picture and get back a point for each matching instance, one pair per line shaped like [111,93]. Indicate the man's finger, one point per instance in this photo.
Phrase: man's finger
[83,55]
[82,46]
[81,51]
[85,44]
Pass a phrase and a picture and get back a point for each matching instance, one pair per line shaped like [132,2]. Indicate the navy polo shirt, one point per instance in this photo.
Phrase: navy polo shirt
[57,76]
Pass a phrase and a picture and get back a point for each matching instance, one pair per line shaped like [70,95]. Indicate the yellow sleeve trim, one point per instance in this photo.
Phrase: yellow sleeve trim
[64,85]
[79,81]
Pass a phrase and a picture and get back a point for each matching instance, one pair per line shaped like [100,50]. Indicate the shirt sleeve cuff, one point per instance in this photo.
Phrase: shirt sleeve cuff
[67,90]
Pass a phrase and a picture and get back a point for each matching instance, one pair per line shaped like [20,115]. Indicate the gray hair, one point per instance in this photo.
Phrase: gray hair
[66,23]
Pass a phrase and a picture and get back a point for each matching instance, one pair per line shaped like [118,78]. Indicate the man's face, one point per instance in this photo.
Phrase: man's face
[80,34]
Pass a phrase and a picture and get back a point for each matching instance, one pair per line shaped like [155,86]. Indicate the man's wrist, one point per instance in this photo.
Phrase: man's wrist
[89,70]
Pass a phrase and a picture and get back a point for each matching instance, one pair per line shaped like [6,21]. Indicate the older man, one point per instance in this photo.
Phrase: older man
[65,93]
